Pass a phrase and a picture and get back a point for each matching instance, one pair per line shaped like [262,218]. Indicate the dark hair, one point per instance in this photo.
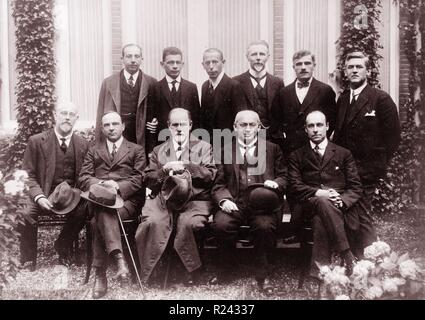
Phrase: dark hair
[302,53]
[358,55]
[211,50]
[130,45]
[171,51]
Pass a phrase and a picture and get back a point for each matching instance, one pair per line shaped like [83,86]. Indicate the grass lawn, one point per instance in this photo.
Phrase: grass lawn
[50,281]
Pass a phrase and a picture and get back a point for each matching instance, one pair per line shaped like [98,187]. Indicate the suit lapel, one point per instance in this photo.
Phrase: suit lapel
[220,91]
[144,87]
[293,97]
[49,146]
[78,155]
[102,150]
[183,89]
[329,153]
[114,89]
[343,105]
[248,88]
[121,152]
[310,157]
[311,94]
[270,89]
[166,91]
[361,102]
[235,164]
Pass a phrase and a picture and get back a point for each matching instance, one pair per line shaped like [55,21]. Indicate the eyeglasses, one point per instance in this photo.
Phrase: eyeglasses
[247,124]
[68,113]
[181,124]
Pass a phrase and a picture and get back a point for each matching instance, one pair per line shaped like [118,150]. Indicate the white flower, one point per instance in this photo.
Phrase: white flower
[362,268]
[1,212]
[373,292]
[390,285]
[13,187]
[377,250]
[408,269]
[20,175]
[342,297]
[1,175]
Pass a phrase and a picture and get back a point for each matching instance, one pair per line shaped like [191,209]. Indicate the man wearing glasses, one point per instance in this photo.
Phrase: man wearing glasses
[51,158]
[171,92]
[186,163]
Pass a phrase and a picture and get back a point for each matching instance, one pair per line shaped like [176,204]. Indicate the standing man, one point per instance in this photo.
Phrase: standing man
[114,166]
[293,102]
[248,190]
[126,92]
[172,92]
[324,180]
[222,97]
[51,158]
[367,124]
[171,225]
[259,87]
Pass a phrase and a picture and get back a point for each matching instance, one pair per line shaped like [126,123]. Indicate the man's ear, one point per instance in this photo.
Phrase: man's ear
[161,63]
[223,61]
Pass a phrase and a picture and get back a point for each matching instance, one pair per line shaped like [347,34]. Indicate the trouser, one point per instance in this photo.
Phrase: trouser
[28,231]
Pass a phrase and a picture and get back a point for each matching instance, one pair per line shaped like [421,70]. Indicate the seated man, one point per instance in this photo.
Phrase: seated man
[323,179]
[181,172]
[51,158]
[118,163]
[253,161]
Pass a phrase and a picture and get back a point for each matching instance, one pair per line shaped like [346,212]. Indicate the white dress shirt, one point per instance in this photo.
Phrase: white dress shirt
[302,92]
[254,82]
[127,76]
[176,145]
[355,93]
[322,146]
[110,144]
[67,138]
[217,81]
[170,80]
[250,147]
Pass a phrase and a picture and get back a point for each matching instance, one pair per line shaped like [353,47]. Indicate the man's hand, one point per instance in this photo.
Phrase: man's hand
[175,166]
[271,184]
[229,206]
[45,204]
[332,195]
[152,126]
[112,183]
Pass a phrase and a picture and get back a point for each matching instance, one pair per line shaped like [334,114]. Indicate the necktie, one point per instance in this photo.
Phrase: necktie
[131,81]
[179,152]
[114,151]
[302,84]
[353,99]
[174,94]
[317,153]
[210,89]
[63,145]
[258,86]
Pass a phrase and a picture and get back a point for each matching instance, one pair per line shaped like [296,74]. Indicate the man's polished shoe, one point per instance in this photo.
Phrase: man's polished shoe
[122,269]
[264,286]
[100,283]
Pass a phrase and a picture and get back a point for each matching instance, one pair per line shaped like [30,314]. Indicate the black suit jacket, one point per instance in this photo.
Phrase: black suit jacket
[272,165]
[337,170]
[289,115]
[160,106]
[228,100]
[371,131]
[273,85]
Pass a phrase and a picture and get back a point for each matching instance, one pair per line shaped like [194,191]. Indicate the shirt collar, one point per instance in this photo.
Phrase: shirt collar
[357,91]
[217,81]
[117,143]
[309,82]
[176,144]
[59,136]
[169,79]
[255,74]
[249,145]
[127,75]
[322,145]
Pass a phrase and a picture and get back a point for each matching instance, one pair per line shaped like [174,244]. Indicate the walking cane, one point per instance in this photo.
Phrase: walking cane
[131,255]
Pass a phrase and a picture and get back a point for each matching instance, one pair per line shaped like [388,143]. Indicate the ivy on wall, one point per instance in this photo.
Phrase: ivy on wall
[35,73]
[359,33]
[399,191]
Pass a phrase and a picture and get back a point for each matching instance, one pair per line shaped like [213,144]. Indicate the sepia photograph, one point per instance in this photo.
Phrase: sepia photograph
[226,151]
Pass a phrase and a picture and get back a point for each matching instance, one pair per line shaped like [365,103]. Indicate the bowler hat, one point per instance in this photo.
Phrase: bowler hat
[262,200]
[176,191]
[103,195]
[64,198]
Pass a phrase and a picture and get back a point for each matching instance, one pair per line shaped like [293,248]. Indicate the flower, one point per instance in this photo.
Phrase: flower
[342,297]
[377,250]
[408,269]
[362,268]
[14,187]
[1,175]
[373,292]
[391,284]
[20,175]
[1,212]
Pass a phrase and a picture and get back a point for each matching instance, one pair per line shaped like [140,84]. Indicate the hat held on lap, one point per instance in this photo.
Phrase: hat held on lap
[64,198]
[262,200]
[103,195]
[176,191]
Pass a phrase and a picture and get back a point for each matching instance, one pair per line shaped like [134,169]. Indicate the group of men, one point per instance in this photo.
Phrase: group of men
[325,156]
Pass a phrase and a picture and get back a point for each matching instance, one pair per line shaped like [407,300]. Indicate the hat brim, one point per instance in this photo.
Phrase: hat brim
[71,206]
[261,185]
[119,202]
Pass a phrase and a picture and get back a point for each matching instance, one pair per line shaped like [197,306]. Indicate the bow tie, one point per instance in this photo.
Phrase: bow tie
[302,84]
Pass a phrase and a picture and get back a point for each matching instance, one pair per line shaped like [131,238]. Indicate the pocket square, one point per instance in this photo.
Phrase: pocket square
[336,168]
[370,114]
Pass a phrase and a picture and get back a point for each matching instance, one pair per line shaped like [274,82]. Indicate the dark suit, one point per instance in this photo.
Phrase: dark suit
[40,163]
[289,114]
[228,100]
[228,186]
[127,170]
[273,85]
[161,105]
[339,229]
[157,225]
[110,100]
[370,130]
